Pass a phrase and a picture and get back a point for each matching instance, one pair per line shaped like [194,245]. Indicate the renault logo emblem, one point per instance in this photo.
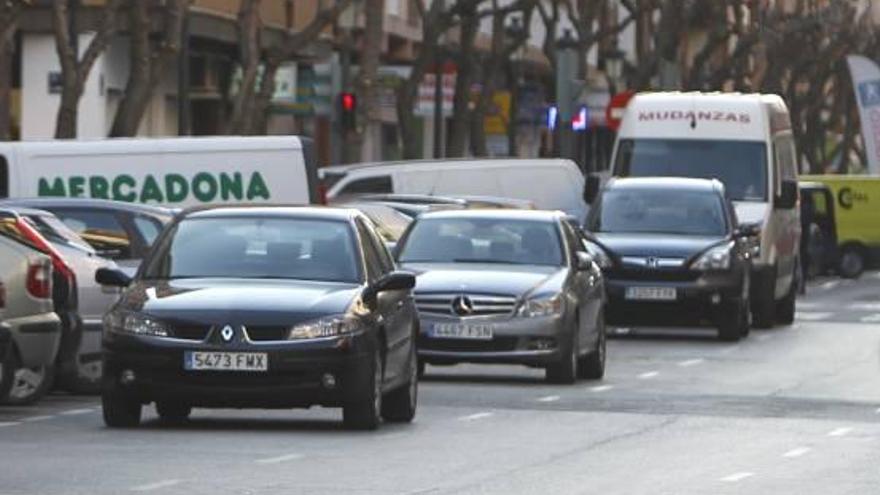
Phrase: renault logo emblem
[227,333]
[462,306]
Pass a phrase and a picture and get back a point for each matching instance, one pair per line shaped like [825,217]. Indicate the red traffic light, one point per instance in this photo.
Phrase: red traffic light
[349,102]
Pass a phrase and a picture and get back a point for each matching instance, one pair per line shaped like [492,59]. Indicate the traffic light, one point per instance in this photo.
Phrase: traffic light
[348,111]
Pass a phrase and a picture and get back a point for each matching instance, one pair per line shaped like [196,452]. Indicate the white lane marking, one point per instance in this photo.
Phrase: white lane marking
[473,417]
[691,362]
[811,316]
[279,459]
[156,486]
[839,432]
[874,318]
[601,388]
[864,306]
[733,478]
[830,284]
[648,375]
[796,452]
[74,412]
[9,423]
[37,418]
[549,398]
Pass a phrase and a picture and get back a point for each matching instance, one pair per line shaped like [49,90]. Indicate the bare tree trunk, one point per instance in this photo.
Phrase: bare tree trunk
[9,15]
[249,57]
[364,143]
[460,125]
[75,69]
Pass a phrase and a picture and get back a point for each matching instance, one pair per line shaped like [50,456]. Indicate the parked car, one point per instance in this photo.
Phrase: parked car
[263,307]
[5,344]
[122,232]
[672,251]
[506,286]
[389,223]
[461,201]
[819,247]
[30,320]
[84,374]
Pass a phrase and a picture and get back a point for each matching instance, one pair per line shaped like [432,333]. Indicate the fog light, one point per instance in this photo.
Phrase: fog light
[328,380]
[542,344]
[127,377]
[716,298]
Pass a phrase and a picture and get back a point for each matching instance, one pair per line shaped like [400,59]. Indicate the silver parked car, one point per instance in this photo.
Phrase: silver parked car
[506,286]
[31,320]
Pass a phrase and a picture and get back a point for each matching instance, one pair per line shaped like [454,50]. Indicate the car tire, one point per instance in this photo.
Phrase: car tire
[592,366]
[565,371]
[119,410]
[852,262]
[8,365]
[733,324]
[399,406]
[28,384]
[173,412]
[366,414]
[763,303]
[785,309]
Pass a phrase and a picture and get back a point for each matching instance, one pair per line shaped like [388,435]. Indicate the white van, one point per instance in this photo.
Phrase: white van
[174,172]
[549,184]
[744,140]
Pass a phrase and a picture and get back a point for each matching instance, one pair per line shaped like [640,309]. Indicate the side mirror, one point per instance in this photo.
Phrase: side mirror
[584,261]
[591,188]
[788,196]
[397,280]
[112,277]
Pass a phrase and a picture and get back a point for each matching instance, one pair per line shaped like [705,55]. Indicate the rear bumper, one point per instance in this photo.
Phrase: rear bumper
[37,338]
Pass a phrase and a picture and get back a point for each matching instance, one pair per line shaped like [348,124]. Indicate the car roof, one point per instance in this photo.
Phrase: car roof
[89,203]
[516,162]
[25,210]
[500,214]
[664,183]
[299,211]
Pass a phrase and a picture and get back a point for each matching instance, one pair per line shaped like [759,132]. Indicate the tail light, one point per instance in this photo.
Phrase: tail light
[58,262]
[39,280]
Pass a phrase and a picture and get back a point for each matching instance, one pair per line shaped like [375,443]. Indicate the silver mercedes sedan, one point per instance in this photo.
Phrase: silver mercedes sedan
[506,286]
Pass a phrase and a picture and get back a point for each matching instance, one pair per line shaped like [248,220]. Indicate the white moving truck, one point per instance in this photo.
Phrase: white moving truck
[174,172]
[745,141]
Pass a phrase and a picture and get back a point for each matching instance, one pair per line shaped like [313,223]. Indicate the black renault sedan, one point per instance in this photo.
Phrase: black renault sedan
[672,252]
[274,307]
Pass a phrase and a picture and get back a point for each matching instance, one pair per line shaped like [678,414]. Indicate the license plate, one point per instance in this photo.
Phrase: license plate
[226,361]
[651,293]
[462,331]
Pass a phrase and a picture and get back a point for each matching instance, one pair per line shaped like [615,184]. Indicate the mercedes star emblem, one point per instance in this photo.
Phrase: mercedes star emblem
[462,306]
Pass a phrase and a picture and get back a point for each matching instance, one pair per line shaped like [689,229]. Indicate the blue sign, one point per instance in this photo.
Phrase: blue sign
[869,93]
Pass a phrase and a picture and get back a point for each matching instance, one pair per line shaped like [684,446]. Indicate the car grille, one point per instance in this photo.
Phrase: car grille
[267,333]
[647,275]
[498,344]
[190,332]
[478,304]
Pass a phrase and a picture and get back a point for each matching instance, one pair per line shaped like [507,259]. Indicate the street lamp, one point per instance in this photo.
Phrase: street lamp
[566,90]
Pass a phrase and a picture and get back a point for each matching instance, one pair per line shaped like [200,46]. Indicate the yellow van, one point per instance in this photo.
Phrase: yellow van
[858,219]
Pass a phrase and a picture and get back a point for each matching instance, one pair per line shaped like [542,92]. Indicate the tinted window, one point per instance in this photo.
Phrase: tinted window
[369,185]
[4,178]
[148,228]
[55,230]
[371,253]
[483,240]
[659,212]
[257,247]
[740,165]
[101,229]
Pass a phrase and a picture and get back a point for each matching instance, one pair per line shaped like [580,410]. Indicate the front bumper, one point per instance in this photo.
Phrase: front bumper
[294,378]
[702,297]
[529,341]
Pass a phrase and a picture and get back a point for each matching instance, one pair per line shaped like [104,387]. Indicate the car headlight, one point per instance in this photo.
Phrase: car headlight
[544,306]
[717,258]
[599,255]
[136,324]
[331,326]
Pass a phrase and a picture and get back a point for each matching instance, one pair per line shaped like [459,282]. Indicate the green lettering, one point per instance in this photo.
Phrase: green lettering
[151,191]
[257,188]
[56,189]
[99,187]
[231,185]
[176,188]
[77,186]
[204,187]
[124,181]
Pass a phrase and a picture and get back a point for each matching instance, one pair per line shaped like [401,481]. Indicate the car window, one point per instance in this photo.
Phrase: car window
[368,185]
[572,238]
[101,229]
[55,230]
[148,228]
[9,228]
[385,261]
[371,253]
[257,247]
[659,212]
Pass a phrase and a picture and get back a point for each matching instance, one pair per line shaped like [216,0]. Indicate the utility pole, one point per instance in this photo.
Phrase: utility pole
[566,91]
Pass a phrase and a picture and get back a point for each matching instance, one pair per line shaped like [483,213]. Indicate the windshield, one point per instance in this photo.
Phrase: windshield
[740,165]
[257,247]
[659,212]
[483,240]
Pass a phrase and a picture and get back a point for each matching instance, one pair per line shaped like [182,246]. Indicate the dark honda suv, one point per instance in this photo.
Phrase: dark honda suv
[672,251]
[263,307]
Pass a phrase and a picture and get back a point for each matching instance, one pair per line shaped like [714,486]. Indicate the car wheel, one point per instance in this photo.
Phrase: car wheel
[399,406]
[733,323]
[29,385]
[366,414]
[566,370]
[173,412]
[592,366]
[763,303]
[119,410]
[852,262]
